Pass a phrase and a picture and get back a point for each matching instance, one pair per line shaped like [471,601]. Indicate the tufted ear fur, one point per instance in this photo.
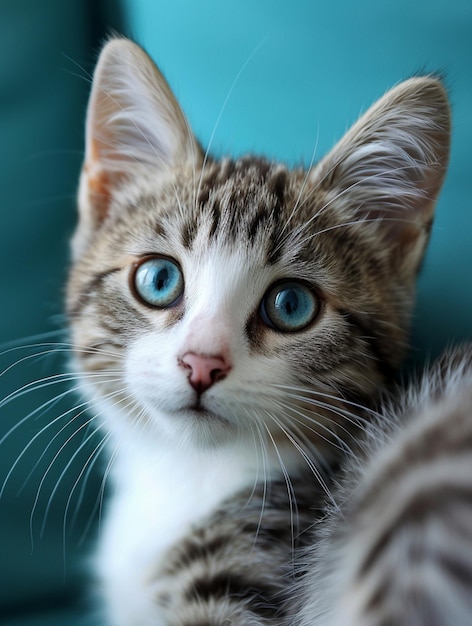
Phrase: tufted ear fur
[134,123]
[388,169]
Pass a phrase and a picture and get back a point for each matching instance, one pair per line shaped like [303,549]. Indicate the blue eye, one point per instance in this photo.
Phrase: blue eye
[289,306]
[159,282]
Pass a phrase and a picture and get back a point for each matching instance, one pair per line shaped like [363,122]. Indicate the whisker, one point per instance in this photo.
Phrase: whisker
[69,463]
[27,417]
[347,416]
[339,443]
[53,348]
[304,391]
[364,220]
[31,442]
[362,181]
[308,197]
[302,188]
[372,428]
[89,464]
[256,426]
[83,73]
[98,506]
[46,474]
[191,141]
[84,406]
[26,358]
[288,483]
[41,384]
[222,109]
[19,343]
[331,437]
[307,458]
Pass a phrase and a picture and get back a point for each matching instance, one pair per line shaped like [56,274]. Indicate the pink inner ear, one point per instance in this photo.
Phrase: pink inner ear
[99,192]
[99,182]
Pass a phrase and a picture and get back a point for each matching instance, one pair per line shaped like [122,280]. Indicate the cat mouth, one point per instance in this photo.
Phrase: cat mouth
[200,412]
[197,408]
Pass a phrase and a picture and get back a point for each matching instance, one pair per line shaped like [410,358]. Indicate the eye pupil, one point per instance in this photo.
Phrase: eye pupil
[162,279]
[287,300]
[158,281]
[289,306]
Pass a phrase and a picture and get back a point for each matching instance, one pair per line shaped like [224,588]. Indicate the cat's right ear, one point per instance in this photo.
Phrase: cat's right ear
[133,122]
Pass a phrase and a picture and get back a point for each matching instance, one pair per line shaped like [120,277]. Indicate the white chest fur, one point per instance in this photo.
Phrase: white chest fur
[158,499]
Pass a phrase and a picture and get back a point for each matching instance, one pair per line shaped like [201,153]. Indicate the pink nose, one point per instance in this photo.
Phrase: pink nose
[204,370]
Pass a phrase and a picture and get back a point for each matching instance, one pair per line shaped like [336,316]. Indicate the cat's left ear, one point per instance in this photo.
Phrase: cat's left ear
[387,171]
[134,124]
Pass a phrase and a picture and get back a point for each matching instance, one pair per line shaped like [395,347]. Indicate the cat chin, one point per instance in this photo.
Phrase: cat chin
[201,428]
[189,427]
[202,416]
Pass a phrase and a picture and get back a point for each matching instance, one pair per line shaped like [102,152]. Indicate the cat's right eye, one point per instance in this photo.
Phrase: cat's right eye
[158,282]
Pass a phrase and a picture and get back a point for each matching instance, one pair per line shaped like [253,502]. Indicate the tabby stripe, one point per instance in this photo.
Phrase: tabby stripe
[277,185]
[369,335]
[254,330]
[274,250]
[97,349]
[439,445]
[188,234]
[114,329]
[258,598]
[84,296]
[215,221]
[190,552]
[458,570]
[258,221]
[379,594]
[420,507]
[226,622]
[207,184]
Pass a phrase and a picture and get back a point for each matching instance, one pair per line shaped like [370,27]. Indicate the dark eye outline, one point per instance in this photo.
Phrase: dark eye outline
[135,291]
[277,287]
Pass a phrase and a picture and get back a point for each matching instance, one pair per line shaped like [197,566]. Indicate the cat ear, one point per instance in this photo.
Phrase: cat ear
[133,121]
[387,170]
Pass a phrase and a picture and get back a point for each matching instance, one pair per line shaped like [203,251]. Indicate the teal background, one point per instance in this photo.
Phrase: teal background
[285,79]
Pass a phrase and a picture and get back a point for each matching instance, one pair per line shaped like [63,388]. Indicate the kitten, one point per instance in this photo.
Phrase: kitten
[234,322]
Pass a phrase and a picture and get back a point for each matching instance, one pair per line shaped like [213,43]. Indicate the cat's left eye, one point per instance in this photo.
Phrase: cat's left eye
[158,282]
[289,306]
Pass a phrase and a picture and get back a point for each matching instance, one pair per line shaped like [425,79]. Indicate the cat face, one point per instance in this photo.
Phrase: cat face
[211,300]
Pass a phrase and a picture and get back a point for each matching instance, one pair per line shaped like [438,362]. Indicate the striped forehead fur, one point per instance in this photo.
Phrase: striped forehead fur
[250,203]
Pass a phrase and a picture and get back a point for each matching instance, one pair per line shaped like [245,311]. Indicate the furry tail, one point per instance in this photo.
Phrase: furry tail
[400,551]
